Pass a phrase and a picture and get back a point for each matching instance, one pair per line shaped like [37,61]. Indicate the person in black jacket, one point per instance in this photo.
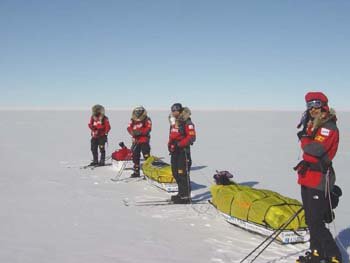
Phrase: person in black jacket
[182,136]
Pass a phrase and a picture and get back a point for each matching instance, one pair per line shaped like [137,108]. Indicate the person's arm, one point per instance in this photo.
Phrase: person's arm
[190,136]
[171,145]
[147,128]
[321,148]
[107,126]
[91,124]
[130,128]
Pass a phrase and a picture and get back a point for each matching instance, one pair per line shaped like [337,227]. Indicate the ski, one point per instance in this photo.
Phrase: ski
[169,203]
[156,204]
[100,166]
[87,166]
[128,179]
[92,167]
[131,179]
[153,201]
[160,203]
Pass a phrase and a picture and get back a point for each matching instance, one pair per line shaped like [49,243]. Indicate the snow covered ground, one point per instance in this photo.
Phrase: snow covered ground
[51,213]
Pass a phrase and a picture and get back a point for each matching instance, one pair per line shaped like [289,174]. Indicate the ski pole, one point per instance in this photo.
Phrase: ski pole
[188,177]
[273,236]
[268,244]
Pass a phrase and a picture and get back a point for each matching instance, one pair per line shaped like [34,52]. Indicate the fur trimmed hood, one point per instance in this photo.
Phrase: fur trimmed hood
[185,114]
[319,122]
[98,109]
[141,118]
[183,117]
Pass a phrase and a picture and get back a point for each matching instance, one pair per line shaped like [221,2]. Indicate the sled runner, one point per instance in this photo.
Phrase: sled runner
[159,174]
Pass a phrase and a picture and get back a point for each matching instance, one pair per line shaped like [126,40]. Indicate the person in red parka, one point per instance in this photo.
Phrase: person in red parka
[182,135]
[99,126]
[319,141]
[140,128]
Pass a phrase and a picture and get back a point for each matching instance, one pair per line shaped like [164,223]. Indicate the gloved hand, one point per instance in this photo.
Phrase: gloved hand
[173,147]
[134,142]
[301,134]
[137,133]
[302,167]
[99,127]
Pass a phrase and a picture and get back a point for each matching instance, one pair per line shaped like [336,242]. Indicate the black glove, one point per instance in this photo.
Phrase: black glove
[173,147]
[301,134]
[302,167]
[304,120]
[137,133]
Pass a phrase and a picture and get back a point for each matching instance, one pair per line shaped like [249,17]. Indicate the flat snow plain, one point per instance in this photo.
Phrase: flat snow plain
[51,213]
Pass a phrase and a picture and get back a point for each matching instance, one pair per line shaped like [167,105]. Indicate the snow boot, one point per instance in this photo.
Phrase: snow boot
[103,156]
[136,172]
[94,163]
[102,160]
[335,260]
[182,200]
[310,257]
[174,197]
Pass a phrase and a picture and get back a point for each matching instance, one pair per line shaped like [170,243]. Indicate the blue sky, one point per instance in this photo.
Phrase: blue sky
[206,54]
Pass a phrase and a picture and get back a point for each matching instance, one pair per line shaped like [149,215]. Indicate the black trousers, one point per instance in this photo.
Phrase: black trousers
[180,169]
[98,143]
[316,206]
[189,158]
[145,148]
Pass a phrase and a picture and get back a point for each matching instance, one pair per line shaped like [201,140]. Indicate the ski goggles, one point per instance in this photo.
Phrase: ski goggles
[314,104]
[139,111]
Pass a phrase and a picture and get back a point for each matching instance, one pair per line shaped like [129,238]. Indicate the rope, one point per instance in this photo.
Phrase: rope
[332,214]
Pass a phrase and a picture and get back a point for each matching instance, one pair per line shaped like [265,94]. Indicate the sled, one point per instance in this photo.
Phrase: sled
[158,173]
[118,165]
[260,211]
[285,237]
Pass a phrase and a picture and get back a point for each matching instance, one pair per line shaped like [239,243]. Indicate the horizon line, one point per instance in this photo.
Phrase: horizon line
[152,109]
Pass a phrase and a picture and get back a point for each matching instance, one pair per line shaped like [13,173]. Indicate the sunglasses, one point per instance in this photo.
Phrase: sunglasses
[175,108]
[316,104]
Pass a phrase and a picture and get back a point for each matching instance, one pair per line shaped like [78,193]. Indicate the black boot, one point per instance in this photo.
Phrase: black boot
[135,175]
[103,155]
[335,260]
[311,257]
[182,200]
[95,159]
[94,163]
[136,172]
[174,197]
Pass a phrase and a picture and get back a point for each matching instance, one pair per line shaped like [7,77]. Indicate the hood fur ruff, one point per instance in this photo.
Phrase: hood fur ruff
[185,114]
[318,122]
[183,117]
[141,118]
[98,108]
